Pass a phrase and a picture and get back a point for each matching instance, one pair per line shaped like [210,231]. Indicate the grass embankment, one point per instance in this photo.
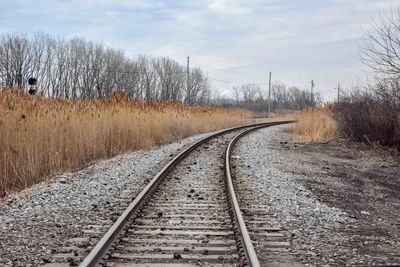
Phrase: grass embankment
[315,124]
[41,137]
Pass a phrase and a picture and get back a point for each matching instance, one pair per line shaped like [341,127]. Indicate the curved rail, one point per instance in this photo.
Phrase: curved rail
[243,234]
[102,248]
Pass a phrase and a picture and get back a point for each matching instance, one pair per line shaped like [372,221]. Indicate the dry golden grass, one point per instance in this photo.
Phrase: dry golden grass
[289,116]
[274,117]
[41,137]
[315,124]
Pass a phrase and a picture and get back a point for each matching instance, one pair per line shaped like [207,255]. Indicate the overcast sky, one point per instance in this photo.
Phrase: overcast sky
[232,40]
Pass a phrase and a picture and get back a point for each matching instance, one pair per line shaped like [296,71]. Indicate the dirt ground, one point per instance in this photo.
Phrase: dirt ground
[360,180]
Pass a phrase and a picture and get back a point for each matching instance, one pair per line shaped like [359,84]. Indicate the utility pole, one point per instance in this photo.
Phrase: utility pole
[187,77]
[269,94]
[338,93]
[312,92]
[312,113]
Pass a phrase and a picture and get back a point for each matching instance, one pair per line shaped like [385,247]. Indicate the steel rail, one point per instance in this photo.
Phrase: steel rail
[247,244]
[103,247]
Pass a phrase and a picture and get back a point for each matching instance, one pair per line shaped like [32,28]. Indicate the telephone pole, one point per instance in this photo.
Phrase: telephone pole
[312,113]
[187,77]
[269,94]
[312,92]
[338,93]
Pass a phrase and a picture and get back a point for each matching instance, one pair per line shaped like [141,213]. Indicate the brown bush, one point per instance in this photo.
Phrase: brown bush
[367,118]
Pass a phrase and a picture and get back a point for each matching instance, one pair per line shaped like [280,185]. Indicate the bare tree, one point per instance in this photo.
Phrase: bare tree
[81,69]
[381,53]
[15,59]
[252,97]
[198,88]
[171,78]
[381,49]
[236,90]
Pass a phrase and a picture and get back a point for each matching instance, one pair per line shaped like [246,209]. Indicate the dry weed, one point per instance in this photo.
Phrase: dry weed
[315,124]
[41,137]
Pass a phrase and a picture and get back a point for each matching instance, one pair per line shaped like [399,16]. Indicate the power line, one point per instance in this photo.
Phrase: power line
[239,83]
[318,91]
[232,82]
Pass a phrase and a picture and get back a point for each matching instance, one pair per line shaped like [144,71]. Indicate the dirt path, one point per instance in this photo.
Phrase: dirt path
[362,182]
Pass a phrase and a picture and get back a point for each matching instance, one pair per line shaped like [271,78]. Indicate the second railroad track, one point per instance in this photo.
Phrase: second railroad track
[187,215]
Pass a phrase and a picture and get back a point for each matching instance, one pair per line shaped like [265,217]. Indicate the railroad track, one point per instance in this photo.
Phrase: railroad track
[271,241]
[188,214]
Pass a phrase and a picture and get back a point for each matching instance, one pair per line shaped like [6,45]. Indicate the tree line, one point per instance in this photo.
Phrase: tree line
[255,98]
[80,69]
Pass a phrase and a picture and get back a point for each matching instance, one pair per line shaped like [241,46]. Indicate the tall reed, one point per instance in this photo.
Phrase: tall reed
[41,137]
[315,124]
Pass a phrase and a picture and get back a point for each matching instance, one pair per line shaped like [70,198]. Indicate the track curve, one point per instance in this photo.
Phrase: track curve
[218,239]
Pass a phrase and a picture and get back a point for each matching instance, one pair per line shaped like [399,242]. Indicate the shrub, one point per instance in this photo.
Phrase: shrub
[368,118]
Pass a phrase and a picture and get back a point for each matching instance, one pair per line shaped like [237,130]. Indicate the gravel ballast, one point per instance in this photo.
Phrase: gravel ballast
[50,218]
[187,221]
[326,223]
[336,206]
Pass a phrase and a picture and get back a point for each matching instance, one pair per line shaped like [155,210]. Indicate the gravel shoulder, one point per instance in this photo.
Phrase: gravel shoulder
[53,216]
[339,202]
